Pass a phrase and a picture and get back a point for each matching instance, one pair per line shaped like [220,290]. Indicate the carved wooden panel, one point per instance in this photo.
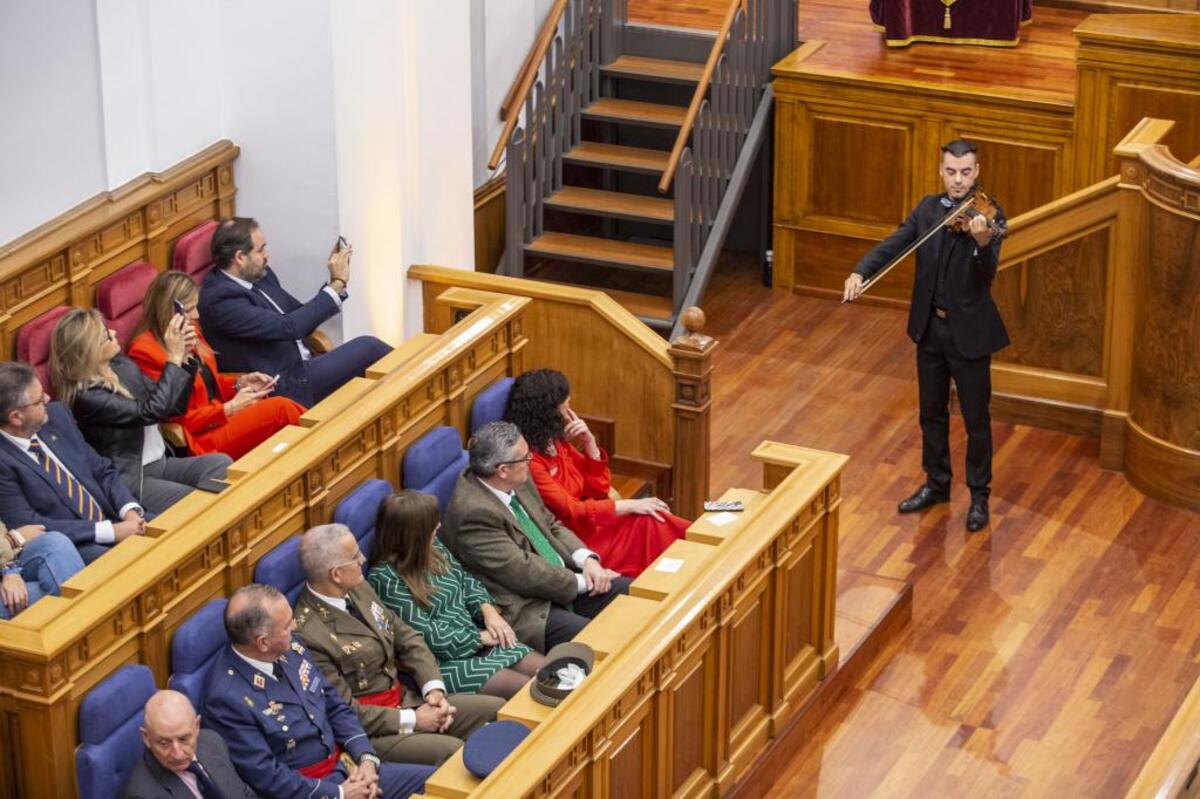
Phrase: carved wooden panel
[749,669]
[843,153]
[1054,305]
[688,707]
[629,763]
[1166,370]
[796,626]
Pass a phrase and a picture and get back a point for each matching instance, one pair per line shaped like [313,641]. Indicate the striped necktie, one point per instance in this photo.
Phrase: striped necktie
[534,533]
[79,497]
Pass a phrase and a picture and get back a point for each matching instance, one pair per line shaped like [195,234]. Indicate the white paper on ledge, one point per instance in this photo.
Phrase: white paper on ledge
[668,565]
[723,518]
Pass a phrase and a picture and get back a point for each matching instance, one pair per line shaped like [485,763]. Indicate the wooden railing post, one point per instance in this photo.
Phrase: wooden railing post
[692,356]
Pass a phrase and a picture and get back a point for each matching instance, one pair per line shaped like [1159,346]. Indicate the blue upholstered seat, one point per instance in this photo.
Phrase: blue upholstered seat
[358,511]
[194,648]
[434,462]
[109,742]
[281,568]
[490,404]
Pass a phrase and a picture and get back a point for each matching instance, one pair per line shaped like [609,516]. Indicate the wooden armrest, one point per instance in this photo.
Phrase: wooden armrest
[318,342]
[173,433]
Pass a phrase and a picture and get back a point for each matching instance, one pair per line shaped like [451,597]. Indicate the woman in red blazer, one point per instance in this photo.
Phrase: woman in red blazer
[225,414]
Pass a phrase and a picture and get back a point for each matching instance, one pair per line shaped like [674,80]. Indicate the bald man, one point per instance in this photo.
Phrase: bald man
[181,760]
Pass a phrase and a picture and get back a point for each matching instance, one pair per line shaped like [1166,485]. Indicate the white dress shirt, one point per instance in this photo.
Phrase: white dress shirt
[104,530]
[305,352]
[579,556]
[408,716]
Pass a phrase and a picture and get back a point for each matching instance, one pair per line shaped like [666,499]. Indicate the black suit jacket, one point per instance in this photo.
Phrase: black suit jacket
[249,334]
[30,496]
[973,316]
[149,780]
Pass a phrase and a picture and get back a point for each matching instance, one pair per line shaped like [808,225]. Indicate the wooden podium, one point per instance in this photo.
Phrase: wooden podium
[994,23]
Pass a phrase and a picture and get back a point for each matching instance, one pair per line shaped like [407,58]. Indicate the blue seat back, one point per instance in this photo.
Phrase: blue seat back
[281,568]
[434,462]
[194,647]
[109,741]
[358,511]
[490,404]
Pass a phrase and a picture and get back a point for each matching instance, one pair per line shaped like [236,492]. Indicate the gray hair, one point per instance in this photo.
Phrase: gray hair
[321,549]
[15,378]
[246,615]
[492,445]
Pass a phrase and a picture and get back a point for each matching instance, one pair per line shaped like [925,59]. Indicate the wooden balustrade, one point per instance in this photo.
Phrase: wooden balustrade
[660,403]
[710,661]
[1173,769]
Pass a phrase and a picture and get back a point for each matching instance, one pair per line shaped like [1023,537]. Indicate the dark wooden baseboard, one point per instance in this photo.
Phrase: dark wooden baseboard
[1078,420]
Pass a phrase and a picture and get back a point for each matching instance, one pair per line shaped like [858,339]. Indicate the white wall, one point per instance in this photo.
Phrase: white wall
[52,131]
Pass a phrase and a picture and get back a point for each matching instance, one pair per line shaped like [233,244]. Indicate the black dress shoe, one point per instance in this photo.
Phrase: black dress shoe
[924,498]
[977,517]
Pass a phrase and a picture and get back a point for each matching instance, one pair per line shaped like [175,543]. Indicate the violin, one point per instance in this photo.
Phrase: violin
[980,205]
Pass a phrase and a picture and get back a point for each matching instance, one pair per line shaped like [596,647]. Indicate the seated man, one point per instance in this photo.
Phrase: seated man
[35,563]
[181,760]
[256,326]
[50,476]
[362,647]
[284,723]
[543,578]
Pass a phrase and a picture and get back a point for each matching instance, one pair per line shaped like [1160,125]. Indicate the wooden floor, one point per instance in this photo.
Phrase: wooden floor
[1046,655]
[1043,66]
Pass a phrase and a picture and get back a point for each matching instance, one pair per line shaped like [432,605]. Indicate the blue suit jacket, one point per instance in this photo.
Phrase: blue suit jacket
[250,335]
[30,496]
[274,727]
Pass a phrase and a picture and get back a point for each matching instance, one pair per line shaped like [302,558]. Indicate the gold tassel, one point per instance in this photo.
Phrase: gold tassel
[946,19]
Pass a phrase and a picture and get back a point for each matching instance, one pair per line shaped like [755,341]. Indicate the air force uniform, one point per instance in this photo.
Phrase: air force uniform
[277,725]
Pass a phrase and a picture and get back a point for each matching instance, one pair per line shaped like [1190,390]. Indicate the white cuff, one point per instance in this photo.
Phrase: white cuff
[128,506]
[581,584]
[336,297]
[433,685]
[580,557]
[105,534]
[408,720]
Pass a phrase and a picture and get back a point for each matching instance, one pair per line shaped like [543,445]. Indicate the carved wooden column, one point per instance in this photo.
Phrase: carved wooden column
[692,356]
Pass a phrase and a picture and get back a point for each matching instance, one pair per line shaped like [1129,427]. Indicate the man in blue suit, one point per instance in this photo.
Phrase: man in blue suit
[50,476]
[289,733]
[256,326]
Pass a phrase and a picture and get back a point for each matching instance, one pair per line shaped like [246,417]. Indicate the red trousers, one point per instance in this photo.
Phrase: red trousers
[248,428]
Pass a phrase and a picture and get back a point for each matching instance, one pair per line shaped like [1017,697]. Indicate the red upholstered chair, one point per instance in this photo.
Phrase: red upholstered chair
[193,251]
[119,297]
[33,343]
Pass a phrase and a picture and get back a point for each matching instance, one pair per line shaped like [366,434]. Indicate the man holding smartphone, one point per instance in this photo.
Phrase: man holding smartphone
[256,326]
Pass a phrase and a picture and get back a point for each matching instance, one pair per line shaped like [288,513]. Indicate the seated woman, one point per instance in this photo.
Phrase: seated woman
[35,563]
[225,413]
[418,578]
[571,473]
[119,409]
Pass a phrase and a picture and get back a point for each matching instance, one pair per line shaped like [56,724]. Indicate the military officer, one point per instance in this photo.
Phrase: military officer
[362,648]
[288,732]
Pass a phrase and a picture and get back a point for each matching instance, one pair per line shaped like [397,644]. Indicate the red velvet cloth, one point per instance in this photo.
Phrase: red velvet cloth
[575,489]
[971,21]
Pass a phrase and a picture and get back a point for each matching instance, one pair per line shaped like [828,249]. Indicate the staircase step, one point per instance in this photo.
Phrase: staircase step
[611,109]
[618,156]
[606,252]
[632,487]
[612,203]
[649,306]
[659,69]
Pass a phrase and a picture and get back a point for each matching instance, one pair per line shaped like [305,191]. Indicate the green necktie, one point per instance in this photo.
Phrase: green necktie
[534,533]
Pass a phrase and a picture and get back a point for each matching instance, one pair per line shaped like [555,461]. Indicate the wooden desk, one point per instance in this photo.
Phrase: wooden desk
[661,585]
[709,529]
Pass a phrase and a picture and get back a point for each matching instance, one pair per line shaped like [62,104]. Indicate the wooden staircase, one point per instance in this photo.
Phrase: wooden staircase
[602,125]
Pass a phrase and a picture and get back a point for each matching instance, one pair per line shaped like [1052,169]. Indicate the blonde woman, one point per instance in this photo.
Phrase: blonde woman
[119,409]
[225,413]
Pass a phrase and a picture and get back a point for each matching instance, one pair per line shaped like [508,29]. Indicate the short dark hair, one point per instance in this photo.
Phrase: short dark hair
[15,377]
[960,147]
[251,618]
[231,237]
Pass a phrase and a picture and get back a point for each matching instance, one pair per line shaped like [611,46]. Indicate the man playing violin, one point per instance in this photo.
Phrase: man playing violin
[954,323]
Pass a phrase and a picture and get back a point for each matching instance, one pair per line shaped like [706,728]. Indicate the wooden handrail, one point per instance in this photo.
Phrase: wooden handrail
[693,111]
[529,70]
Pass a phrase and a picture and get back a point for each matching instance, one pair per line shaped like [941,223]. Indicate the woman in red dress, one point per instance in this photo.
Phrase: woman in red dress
[226,413]
[571,473]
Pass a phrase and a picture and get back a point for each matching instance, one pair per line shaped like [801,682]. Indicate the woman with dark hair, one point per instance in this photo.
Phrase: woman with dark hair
[418,578]
[571,473]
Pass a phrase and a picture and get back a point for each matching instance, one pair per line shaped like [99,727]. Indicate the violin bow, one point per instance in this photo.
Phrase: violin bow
[913,247]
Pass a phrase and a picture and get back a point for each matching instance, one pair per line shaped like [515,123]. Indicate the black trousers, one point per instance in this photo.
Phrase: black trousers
[563,625]
[939,360]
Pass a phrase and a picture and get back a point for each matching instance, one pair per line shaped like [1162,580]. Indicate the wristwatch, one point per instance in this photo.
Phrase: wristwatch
[12,567]
[368,757]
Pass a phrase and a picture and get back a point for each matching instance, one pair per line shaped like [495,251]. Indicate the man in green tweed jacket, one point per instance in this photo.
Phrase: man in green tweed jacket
[362,647]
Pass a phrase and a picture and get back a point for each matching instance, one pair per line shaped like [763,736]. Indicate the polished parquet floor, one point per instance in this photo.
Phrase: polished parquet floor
[1046,655]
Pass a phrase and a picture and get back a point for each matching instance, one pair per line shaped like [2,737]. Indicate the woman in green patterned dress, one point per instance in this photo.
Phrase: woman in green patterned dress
[417,577]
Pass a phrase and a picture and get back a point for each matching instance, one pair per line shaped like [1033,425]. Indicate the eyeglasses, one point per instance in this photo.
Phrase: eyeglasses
[359,559]
[527,459]
[45,398]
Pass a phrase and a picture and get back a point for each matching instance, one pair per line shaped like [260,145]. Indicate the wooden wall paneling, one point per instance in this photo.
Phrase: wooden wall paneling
[489,224]
[797,622]
[624,747]
[690,711]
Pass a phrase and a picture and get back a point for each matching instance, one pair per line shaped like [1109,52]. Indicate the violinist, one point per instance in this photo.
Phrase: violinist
[954,322]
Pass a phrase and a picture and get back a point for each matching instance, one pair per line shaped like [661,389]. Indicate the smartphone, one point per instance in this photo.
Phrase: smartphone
[342,245]
[212,486]
[179,309]
[274,379]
